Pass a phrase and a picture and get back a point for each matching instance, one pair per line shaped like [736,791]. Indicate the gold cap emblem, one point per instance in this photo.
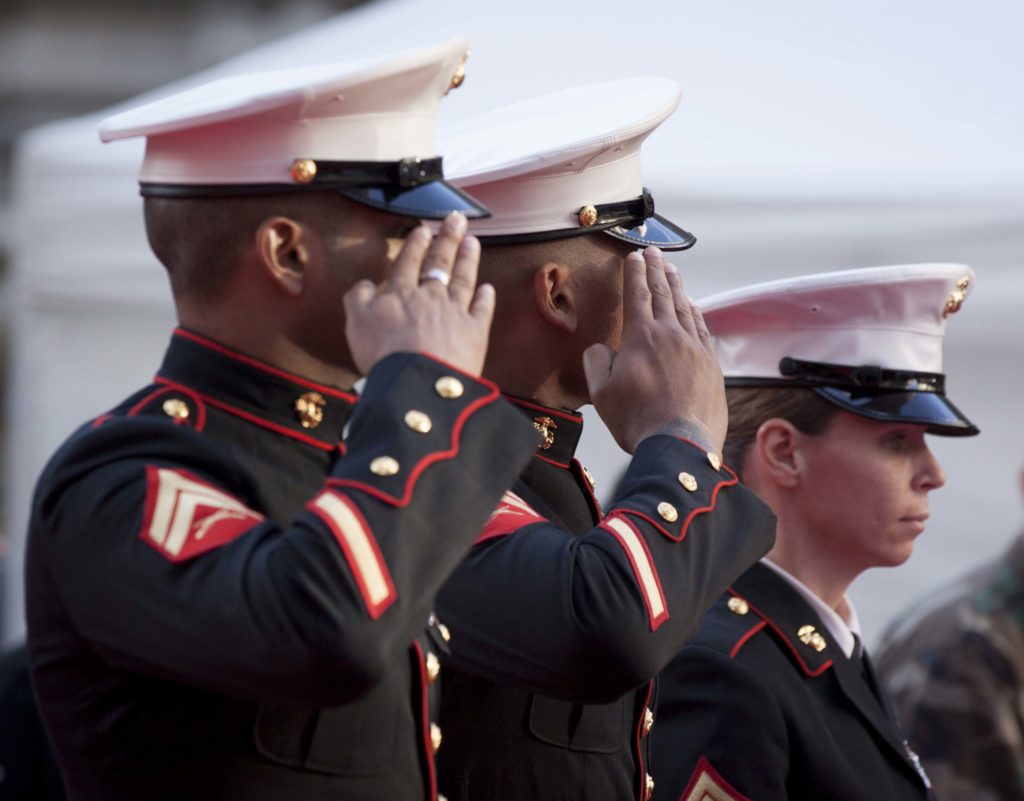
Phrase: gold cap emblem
[303,171]
[384,466]
[418,421]
[176,409]
[956,297]
[688,481]
[738,606]
[668,512]
[588,216]
[459,76]
[547,427]
[449,387]
[809,636]
[309,407]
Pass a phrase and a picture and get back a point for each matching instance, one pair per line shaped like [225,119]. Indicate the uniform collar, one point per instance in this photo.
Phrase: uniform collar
[561,430]
[267,396]
[844,632]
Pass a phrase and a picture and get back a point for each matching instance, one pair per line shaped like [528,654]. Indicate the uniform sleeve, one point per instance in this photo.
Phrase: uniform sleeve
[719,733]
[532,602]
[155,545]
[958,703]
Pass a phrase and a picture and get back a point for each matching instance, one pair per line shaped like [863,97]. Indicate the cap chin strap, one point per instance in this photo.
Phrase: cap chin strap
[865,378]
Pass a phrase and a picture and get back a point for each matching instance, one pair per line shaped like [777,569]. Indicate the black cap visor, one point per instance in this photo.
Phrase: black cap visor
[655,231]
[429,201]
[925,408]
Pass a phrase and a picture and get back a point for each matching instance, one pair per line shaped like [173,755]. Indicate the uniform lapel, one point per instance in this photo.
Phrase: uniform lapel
[796,624]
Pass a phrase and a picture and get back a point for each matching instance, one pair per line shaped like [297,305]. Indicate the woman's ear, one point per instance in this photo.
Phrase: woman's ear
[555,295]
[776,449]
[284,253]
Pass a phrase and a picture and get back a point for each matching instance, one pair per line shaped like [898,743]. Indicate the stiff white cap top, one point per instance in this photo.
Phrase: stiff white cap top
[566,163]
[858,336]
[343,125]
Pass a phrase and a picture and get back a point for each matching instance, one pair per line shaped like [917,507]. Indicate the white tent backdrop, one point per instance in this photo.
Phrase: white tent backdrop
[812,136]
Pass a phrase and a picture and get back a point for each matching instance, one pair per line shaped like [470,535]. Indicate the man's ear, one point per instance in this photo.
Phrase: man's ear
[554,294]
[776,449]
[284,252]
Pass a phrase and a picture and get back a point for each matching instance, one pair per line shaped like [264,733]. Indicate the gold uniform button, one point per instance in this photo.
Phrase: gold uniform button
[648,723]
[384,466]
[309,407]
[688,481]
[176,409]
[446,635]
[449,387]
[811,637]
[648,787]
[668,512]
[418,421]
[715,461]
[738,606]
[303,171]
[433,667]
[588,216]
[590,479]
[435,737]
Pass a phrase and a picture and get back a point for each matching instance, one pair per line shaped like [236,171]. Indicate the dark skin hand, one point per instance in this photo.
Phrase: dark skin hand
[665,378]
[409,312]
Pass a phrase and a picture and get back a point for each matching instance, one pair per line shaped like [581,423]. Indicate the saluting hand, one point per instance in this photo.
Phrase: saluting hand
[429,303]
[665,377]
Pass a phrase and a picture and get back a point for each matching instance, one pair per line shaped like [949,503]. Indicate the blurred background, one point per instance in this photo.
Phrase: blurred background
[811,137]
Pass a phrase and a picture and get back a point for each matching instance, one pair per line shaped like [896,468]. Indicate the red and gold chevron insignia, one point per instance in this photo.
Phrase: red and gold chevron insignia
[707,784]
[511,515]
[185,516]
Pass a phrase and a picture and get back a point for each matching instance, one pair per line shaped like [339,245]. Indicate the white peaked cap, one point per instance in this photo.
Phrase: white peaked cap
[541,162]
[297,127]
[835,328]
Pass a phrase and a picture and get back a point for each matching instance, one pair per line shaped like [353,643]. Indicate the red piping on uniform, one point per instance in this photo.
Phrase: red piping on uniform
[705,767]
[784,638]
[426,461]
[638,733]
[563,465]
[575,418]
[743,640]
[171,386]
[655,620]
[101,420]
[689,518]
[375,610]
[266,368]
[256,419]
[428,744]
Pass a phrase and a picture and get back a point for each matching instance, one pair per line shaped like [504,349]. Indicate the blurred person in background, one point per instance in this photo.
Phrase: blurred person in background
[954,666]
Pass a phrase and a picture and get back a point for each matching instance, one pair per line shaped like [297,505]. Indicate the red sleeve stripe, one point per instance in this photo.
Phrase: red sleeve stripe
[511,514]
[360,548]
[643,568]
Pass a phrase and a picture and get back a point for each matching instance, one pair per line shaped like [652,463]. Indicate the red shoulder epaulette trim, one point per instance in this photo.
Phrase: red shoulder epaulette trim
[511,514]
[731,481]
[707,784]
[630,540]
[169,388]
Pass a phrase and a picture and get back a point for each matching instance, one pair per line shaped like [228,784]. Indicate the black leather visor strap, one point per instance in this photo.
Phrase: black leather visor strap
[626,213]
[864,377]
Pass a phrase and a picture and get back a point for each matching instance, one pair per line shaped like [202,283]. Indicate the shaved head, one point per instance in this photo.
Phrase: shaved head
[200,240]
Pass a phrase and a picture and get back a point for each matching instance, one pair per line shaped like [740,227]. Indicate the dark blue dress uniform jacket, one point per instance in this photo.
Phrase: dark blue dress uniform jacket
[560,616]
[220,607]
[761,705]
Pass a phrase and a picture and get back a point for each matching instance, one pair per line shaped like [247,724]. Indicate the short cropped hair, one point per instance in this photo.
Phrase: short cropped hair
[750,407]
